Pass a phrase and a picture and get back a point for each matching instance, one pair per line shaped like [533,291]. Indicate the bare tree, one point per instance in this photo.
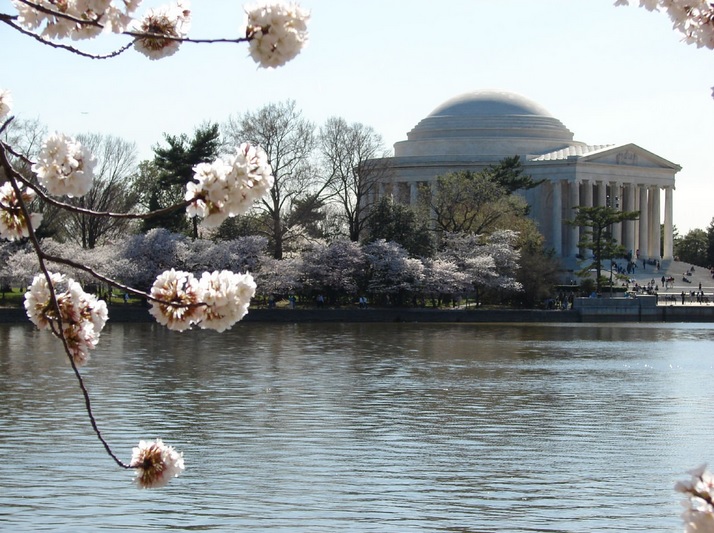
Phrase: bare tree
[354,160]
[111,191]
[27,136]
[289,141]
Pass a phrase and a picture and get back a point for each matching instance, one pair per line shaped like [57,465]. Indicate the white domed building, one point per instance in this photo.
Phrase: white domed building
[474,130]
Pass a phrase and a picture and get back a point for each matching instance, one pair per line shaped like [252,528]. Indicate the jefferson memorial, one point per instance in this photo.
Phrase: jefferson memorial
[474,130]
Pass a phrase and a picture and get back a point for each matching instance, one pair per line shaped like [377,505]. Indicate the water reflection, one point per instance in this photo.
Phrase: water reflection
[361,427]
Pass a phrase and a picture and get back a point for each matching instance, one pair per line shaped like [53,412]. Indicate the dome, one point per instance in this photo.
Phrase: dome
[486,123]
[489,103]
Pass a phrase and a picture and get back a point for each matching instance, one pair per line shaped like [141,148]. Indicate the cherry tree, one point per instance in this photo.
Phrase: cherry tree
[279,277]
[443,278]
[335,268]
[64,168]
[391,273]
[490,262]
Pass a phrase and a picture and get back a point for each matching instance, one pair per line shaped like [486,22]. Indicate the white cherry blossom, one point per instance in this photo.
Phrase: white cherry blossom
[217,301]
[5,103]
[82,315]
[75,19]
[155,463]
[693,18]
[698,515]
[180,296]
[13,225]
[227,296]
[277,32]
[172,21]
[64,166]
[229,186]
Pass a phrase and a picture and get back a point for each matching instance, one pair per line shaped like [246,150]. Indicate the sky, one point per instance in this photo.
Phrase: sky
[610,74]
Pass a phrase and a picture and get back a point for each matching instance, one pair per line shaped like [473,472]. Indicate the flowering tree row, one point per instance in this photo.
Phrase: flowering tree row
[64,169]
[339,271]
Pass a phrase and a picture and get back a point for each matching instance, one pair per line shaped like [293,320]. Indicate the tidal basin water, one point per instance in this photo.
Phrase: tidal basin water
[361,427]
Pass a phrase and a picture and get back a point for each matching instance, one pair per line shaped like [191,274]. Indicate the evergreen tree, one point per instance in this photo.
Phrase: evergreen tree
[598,239]
[172,169]
[395,222]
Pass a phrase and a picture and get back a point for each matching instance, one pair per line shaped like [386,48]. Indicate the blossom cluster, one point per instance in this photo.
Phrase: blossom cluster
[76,19]
[64,166]
[229,186]
[5,103]
[169,23]
[216,301]
[155,464]
[699,504]
[82,315]
[693,18]
[13,224]
[277,33]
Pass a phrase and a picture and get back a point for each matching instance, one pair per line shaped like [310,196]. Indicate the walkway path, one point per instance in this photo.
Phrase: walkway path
[677,270]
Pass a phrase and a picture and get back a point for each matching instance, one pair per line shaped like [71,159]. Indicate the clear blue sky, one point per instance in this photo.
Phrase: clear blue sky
[611,75]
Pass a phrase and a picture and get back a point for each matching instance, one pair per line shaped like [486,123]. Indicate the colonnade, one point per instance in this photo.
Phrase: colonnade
[641,237]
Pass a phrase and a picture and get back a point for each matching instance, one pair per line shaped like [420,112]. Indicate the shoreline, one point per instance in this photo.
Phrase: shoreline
[662,313]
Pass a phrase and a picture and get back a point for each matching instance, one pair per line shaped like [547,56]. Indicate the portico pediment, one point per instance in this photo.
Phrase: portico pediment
[628,155]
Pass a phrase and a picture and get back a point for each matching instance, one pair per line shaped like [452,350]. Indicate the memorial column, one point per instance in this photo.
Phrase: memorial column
[668,225]
[557,217]
[601,194]
[644,217]
[615,203]
[628,226]
[654,242]
[573,231]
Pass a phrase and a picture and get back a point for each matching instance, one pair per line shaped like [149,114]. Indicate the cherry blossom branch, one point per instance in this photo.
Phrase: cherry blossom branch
[10,21]
[10,170]
[224,188]
[58,328]
[276,32]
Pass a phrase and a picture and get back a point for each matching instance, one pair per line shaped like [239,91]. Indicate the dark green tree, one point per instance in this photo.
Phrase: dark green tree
[165,179]
[308,211]
[539,269]
[710,244]
[478,202]
[693,248]
[596,235]
[510,175]
[395,222]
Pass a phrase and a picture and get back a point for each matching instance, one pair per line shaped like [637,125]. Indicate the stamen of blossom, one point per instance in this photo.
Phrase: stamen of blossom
[155,464]
[698,515]
[13,225]
[179,294]
[277,32]
[229,186]
[64,166]
[170,21]
[83,315]
[5,103]
[95,14]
